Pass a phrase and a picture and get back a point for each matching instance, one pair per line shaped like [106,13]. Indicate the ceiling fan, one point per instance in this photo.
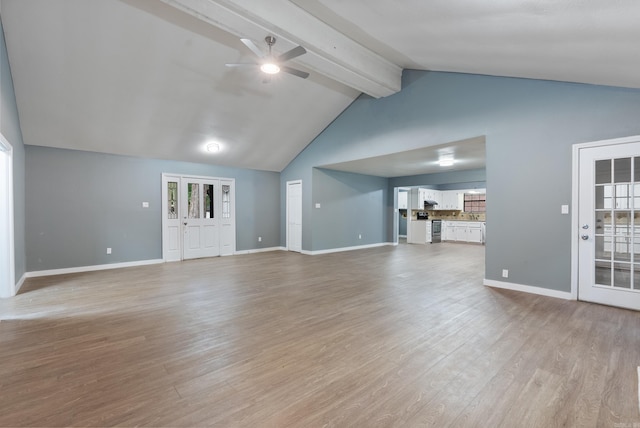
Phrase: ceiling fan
[271,64]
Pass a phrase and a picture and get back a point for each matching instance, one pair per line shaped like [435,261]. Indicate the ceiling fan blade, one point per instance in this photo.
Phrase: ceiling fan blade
[252,46]
[294,71]
[248,64]
[295,52]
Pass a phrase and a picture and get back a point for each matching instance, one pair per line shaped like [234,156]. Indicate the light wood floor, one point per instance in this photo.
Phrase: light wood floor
[393,336]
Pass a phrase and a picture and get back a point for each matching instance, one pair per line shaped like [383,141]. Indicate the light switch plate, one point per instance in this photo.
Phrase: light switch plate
[317,204]
[145,205]
[564,209]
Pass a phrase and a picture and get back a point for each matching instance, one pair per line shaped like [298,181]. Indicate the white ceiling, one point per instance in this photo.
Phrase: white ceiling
[147,77]
[468,154]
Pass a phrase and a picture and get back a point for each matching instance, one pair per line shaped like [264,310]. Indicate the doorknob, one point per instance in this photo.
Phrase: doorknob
[585,237]
[585,226]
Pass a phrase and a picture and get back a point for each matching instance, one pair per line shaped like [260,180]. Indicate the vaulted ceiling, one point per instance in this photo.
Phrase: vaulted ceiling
[148,77]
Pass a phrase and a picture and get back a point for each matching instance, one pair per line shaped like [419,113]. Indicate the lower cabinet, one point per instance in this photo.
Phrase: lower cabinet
[449,231]
[463,231]
[417,233]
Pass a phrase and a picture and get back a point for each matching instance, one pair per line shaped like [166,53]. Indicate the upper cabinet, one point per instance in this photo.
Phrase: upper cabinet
[420,195]
[446,199]
[403,200]
[451,200]
[431,195]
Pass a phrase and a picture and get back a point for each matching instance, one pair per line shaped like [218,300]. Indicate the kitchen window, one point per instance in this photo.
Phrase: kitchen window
[475,203]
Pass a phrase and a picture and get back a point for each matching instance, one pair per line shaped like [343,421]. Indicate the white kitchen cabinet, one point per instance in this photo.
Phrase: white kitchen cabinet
[430,195]
[415,200]
[436,195]
[427,237]
[424,195]
[463,231]
[403,200]
[474,232]
[451,200]
[417,232]
[449,229]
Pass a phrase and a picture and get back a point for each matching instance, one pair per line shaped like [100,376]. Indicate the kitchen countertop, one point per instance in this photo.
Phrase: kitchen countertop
[466,221]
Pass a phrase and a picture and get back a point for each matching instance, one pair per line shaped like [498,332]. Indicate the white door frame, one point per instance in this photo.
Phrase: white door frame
[232,224]
[575,201]
[286,225]
[7,262]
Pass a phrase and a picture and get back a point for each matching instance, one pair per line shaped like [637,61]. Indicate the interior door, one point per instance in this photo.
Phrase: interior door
[200,218]
[609,225]
[294,216]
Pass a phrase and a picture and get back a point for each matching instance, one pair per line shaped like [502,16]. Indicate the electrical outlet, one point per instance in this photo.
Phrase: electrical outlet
[259,238]
[505,273]
[108,250]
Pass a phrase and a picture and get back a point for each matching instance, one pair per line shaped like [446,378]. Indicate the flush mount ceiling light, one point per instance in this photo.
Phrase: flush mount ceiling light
[213,147]
[448,161]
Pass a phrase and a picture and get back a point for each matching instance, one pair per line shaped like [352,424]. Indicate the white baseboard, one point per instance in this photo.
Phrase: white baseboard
[339,250]
[529,289]
[19,283]
[260,250]
[79,269]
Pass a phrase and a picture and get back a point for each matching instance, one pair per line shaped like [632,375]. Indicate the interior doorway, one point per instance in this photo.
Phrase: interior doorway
[294,216]
[7,256]
[198,217]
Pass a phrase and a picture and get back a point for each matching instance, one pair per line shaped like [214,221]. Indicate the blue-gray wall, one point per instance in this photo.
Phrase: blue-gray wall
[529,125]
[10,128]
[79,203]
[349,212]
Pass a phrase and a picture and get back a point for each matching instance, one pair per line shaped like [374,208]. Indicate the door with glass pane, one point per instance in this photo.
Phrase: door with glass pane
[171,219]
[227,222]
[609,225]
[200,218]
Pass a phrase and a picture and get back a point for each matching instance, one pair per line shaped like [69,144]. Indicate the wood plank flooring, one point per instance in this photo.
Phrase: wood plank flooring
[392,336]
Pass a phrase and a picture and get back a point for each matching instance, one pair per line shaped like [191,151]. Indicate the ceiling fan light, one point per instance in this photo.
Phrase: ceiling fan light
[213,147]
[270,68]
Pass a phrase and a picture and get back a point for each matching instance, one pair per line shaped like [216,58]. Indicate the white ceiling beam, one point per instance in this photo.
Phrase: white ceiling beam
[330,52]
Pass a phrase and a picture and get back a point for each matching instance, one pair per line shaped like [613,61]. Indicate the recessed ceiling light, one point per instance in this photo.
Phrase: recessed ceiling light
[270,68]
[213,147]
[446,162]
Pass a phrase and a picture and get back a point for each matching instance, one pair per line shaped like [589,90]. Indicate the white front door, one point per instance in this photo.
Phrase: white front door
[198,217]
[294,216]
[609,223]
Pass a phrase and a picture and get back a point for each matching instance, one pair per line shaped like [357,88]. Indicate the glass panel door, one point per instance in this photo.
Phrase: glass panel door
[615,233]
[609,224]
